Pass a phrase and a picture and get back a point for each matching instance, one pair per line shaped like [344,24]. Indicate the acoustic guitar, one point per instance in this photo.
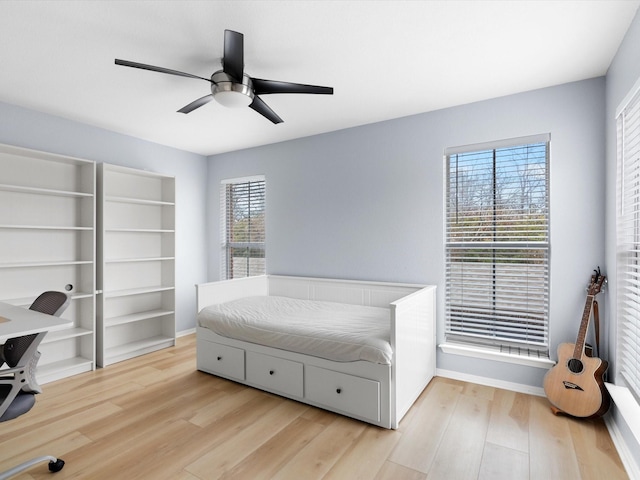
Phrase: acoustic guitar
[574,385]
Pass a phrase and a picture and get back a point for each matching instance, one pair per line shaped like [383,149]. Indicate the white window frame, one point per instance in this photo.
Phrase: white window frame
[626,391]
[628,243]
[464,341]
[227,271]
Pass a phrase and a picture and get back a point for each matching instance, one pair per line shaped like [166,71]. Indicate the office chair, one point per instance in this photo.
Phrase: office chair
[18,385]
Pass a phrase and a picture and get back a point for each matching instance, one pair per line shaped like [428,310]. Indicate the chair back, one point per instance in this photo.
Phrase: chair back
[18,383]
[51,303]
[15,348]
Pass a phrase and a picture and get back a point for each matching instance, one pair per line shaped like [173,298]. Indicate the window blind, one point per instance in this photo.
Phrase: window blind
[243,228]
[628,244]
[497,245]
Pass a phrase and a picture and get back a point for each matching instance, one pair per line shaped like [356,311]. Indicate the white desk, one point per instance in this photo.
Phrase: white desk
[18,321]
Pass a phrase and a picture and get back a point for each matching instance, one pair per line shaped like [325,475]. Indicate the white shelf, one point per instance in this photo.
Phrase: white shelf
[139,259]
[46,227]
[134,349]
[135,317]
[27,301]
[43,191]
[45,264]
[79,295]
[63,368]
[136,291]
[66,334]
[19,153]
[138,201]
[138,230]
[47,233]
[136,261]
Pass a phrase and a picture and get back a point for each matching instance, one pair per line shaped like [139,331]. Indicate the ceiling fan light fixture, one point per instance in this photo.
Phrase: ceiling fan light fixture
[229,93]
[232,98]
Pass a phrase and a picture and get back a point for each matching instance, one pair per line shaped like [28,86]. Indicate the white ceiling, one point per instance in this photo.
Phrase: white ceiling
[385,59]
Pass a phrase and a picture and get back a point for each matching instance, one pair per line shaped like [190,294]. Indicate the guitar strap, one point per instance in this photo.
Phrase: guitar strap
[596,326]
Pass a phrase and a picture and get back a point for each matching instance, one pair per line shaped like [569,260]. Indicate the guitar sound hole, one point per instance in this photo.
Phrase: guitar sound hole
[575,365]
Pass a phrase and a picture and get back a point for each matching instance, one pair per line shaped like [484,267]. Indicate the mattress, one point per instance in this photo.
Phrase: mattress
[334,331]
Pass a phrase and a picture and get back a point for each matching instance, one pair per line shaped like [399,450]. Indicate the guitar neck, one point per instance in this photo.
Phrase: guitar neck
[584,324]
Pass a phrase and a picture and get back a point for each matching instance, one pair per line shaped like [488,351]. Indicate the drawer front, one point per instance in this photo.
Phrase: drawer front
[347,393]
[222,359]
[276,374]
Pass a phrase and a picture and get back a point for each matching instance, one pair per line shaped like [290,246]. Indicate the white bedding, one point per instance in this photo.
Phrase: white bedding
[335,331]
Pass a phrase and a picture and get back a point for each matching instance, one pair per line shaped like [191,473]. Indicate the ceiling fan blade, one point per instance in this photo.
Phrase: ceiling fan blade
[263,109]
[144,66]
[233,60]
[196,104]
[262,87]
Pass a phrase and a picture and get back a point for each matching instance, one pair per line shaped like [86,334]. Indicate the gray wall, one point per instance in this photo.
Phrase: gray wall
[39,131]
[621,77]
[367,202]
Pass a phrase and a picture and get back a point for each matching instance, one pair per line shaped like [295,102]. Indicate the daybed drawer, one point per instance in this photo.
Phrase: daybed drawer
[350,394]
[225,360]
[275,373]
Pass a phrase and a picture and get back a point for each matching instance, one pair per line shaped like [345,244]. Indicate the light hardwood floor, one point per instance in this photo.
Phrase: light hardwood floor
[156,417]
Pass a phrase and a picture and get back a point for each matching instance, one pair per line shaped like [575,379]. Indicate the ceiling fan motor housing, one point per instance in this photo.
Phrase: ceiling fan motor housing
[230,93]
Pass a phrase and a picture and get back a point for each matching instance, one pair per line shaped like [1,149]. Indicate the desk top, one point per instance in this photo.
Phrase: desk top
[20,321]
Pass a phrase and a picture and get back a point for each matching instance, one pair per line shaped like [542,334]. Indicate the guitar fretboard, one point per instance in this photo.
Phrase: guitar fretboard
[584,324]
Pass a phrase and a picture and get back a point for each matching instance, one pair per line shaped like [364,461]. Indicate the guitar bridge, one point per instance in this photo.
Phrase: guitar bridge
[572,386]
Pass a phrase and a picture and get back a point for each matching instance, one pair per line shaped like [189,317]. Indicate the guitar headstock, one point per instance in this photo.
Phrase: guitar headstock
[597,282]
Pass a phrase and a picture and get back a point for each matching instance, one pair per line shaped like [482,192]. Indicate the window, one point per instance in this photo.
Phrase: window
[497,245]
[243,227]
[628,243]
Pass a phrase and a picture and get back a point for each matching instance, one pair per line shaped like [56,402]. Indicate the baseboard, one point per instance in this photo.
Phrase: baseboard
[184,333]
[628,460]
[491,382]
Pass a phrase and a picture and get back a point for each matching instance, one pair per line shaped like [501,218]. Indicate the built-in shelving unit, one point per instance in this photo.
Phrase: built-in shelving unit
[136,263]
[47,238]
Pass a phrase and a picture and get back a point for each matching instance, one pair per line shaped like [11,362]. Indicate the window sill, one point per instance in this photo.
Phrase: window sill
[489,353]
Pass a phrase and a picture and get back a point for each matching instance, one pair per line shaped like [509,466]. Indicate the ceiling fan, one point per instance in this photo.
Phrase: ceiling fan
[232,87]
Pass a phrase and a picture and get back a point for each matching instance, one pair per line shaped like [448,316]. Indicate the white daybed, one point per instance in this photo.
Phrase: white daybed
[378,393]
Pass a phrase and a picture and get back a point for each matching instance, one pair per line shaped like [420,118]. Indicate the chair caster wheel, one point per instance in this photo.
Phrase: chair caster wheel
[56,466]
